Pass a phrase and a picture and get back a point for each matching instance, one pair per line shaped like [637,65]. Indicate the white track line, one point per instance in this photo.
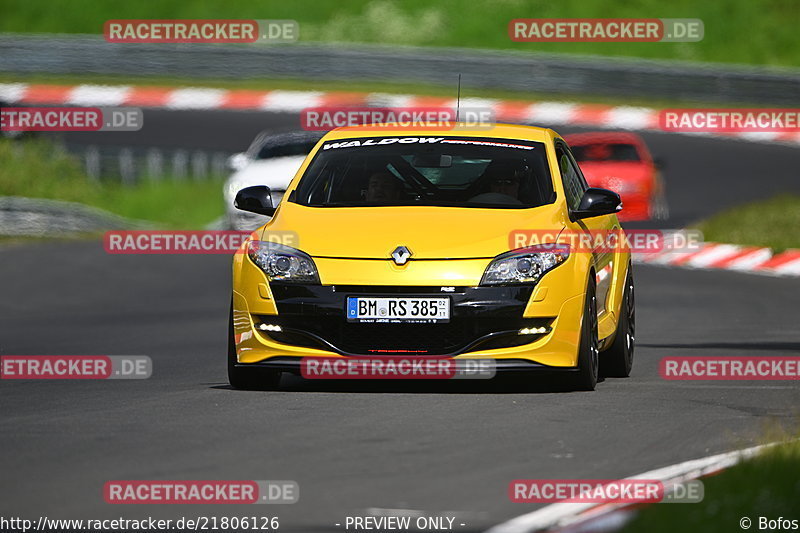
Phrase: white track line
[290,101]
[564,514]
[98,95]
[713,253]
[12,92]
[631,118]
[196,98]
[751,261]
[790,268]
[553,112]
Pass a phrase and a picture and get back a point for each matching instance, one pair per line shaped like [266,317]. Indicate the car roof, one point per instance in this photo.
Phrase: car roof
[499,131]
[270,139]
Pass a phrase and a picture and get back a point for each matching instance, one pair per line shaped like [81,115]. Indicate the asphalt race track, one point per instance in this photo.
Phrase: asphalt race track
[356,448]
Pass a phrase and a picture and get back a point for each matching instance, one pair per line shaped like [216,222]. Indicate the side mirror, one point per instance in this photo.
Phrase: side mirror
[237,161]
[257,199]
[659,163]
[596,202]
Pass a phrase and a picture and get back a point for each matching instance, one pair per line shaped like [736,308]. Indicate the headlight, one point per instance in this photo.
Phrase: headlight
[525,265]
[283,263]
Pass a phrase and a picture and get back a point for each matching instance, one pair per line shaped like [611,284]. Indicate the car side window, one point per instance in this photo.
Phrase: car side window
[574,182]
[578,171]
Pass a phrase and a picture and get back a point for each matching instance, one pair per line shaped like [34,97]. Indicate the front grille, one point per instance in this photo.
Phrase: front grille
[457,336]
[396,289]
[481,318]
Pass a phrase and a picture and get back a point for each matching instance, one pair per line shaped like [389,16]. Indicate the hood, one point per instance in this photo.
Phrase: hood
[428,232]
[275,173]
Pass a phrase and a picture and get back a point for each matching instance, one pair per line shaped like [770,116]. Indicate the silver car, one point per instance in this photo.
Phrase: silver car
[272,160]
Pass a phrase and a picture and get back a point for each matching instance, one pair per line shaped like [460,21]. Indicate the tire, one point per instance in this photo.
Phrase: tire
[617,361]
[248,378]
[588,350]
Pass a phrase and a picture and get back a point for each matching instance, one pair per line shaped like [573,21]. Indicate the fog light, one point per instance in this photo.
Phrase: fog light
[534,331]
[269,327]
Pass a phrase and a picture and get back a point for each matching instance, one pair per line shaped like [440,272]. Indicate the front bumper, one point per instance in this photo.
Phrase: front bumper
[485,323]
[293,365]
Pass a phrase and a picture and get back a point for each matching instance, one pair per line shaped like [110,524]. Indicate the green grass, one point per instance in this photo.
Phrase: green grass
[736,31]
[772,223]
[767,485]
[38,169]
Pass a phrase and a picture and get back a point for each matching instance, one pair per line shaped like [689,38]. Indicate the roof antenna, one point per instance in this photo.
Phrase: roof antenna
[458,97]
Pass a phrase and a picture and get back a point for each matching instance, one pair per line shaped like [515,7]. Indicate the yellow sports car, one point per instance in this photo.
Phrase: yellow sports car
[446,244]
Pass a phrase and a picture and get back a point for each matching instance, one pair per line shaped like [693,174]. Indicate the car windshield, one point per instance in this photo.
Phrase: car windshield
[605,152]
[436,171]
[284,150]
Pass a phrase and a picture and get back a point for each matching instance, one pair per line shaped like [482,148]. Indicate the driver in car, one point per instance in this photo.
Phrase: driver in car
[383,187]
[505,183]
[503,180]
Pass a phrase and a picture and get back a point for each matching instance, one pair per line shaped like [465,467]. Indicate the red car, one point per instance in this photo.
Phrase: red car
[620,161]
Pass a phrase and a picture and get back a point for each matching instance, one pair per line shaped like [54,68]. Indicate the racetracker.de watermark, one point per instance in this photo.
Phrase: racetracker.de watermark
[201,492]
[730,120]
[735,368]
[189,242]
[201,31]
[604,491]
[585,490]
[396,118]
[639,241]
[75,367]
[604,30]
[71,119]
[394,367]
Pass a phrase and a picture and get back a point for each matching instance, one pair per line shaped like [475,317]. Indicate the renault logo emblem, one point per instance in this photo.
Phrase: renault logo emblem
[401,255]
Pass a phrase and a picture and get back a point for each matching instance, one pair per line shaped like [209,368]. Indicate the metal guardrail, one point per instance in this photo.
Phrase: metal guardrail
[37,217]
[131,164]
[547,73]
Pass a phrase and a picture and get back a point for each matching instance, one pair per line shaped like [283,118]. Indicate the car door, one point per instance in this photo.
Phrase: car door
[595,230]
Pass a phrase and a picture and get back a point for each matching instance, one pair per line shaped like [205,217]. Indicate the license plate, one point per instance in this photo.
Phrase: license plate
[422,310]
